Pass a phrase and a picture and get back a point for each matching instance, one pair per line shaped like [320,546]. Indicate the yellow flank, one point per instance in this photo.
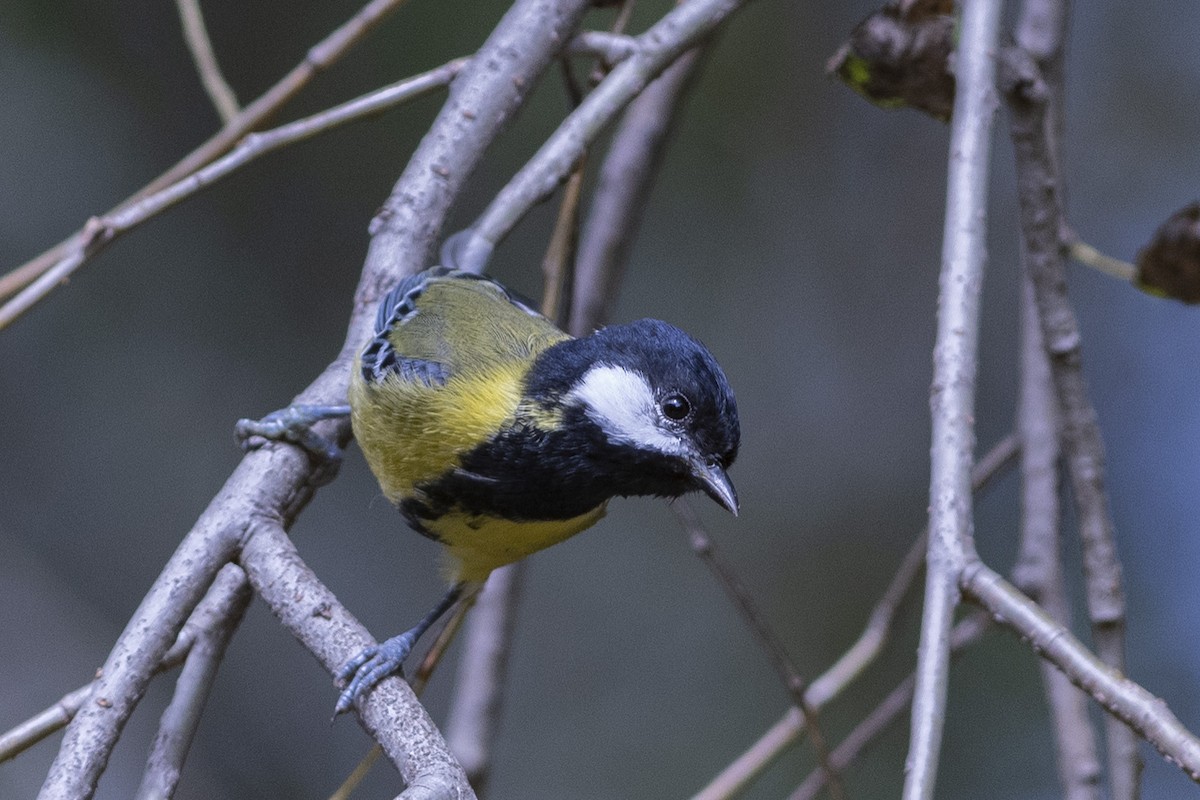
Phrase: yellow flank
[411,433]
[477,545]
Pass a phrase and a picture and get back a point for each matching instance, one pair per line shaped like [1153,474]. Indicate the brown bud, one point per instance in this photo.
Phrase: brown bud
[1170,264]
[898,56]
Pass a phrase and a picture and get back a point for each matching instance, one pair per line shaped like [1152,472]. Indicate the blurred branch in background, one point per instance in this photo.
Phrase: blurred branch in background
[1039,571]
[764,635]
[320,57]
[656,49]
[738,776]
[196,35]
[1032,83]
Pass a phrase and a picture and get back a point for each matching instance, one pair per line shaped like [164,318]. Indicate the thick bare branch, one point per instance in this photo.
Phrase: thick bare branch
[391,714]
[953,392]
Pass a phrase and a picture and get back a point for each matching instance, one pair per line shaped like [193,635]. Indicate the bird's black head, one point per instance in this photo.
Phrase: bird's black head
[661,412]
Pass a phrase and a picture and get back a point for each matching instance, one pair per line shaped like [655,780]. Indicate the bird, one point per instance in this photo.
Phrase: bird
[498,435]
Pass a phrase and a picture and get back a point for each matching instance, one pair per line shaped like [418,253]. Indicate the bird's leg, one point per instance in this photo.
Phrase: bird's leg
[294,424]
[376,663]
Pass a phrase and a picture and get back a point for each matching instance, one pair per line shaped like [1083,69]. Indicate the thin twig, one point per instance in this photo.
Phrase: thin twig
[776,654]
[736,777]
[475,710]
[953,391]
[657,48]
[1121,697]
[196,35]
[626,177]
[1039,194]
[1038,571]
[1089,256]
[100,232]
[182,715]
[318,58]
[212,611]
[966,632]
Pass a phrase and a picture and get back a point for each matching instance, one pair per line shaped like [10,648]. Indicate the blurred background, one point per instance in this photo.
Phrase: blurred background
[795,229]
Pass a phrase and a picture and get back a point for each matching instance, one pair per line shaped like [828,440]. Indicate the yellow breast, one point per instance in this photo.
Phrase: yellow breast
[477,545]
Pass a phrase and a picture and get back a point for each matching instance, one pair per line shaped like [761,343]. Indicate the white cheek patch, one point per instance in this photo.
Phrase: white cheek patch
[622,403]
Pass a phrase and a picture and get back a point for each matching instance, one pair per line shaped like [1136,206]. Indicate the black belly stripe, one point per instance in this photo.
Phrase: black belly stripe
[533,474]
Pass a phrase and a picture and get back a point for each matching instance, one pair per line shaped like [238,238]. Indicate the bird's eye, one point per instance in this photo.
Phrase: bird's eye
[676,407]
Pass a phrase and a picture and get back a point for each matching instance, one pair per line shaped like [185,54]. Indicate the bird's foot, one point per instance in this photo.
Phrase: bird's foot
[294,424]
[371,666]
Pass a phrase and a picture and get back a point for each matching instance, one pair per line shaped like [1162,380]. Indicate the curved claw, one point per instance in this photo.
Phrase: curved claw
[371,666]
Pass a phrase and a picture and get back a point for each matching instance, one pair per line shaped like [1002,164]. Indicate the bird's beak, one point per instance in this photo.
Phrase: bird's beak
[715,484]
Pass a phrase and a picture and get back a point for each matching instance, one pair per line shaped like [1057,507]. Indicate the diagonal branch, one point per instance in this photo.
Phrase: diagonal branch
[1121,697]
[275,482]
[1030,100]
[736,777]
[953,391]
[656,49]
[182,716]
[101,231]
[320,57]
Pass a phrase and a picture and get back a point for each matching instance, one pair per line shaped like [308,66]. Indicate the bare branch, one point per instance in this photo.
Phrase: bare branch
[953,392]
[747,767]
[196,35]
[182,715]
[624,186]
[965,633]
[1040,199]
[101,231]
[776,654]
[474,714]
[319,58]
[1140,710]
[391,714]
[1038,571]
[213,611]
[657,48]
